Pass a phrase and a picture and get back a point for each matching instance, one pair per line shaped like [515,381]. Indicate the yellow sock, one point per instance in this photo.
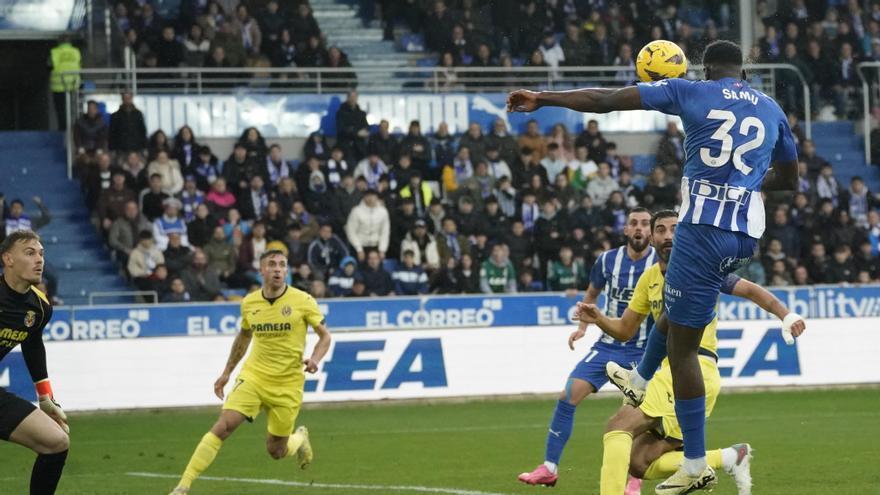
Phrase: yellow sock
[615,462]
[667,464]
[293,443]
[203,456]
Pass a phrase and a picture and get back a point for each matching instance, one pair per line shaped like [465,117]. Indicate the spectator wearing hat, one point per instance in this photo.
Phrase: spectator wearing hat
[144,259]
[342,280]
[327,250]
[369,226]
[111,202]
[170,222]
[376,279]
[152,198]
[169,170]
[371,168]
[191,198]
[203,168]
[409,277]
[422,245]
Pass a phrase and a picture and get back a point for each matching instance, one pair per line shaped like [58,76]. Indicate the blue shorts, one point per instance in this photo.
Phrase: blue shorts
[591,369]
[702,256]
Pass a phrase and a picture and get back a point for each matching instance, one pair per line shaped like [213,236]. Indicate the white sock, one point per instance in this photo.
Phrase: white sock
[728,458]
[694,467]
[551,466]
[636,380]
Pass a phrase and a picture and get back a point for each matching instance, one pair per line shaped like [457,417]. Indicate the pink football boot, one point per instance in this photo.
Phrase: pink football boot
[540,476]
[633,486]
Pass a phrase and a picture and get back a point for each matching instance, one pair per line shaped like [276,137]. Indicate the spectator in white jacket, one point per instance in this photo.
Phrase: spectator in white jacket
[172,179]
[369,226]
[144,259]
[423,246]
[602,185]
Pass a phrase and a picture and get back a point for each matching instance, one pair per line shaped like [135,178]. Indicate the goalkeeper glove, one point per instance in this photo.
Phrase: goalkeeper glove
[49,406]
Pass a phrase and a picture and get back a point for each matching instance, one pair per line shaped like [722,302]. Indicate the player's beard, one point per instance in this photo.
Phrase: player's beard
[637,245]
[664,251]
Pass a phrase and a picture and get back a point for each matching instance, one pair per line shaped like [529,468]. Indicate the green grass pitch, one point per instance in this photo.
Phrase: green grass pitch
[806,442]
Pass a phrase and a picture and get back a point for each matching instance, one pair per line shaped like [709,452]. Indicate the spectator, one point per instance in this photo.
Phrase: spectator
[157,142]
[781,229]
[302,277]
[383,143]
[497,274]
[602,50]
[339,80]
[177,292]
[474,141]
[191,198]
[152,198]
[202,281]
[169,51]
[352,130]
[670,151]
[255,145]
[422,245]
[443,145]
[600,188]
[497,166]
[111,202]
[369,226]
[128,132]
[575,49]
[436,214]
[660,193]
[468,276]
[90,130]
[594,141]
[451,244]
[303,25]
[272,24]
[143,260]
[199,228]
[470,219]
[858,201]
[344,199]
[249,29]
[841,268]
[327,250]
[307,222]
[312,53]
[438,27]
[814,162]
[169,170]
[554,163]
[534,141]
[566,274]
[284,53]
[371,168]
[98,179]
[220,255]
[177,256]
[409,278]
[845,81]
[253,202]
[122,236]
[817,263]
[219,199]
[169,223]
[551,51]
[827,186]
[341,282]
[866,261]
[448,75]
[502,141]
[196,46]
[240,167]
[337,167]
[417,146]
[249,254]
[136,177]
[581,169]
[376,279]
[204,169]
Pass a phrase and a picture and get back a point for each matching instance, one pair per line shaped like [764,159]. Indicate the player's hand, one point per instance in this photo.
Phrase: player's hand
[575,336]
[798,327]
[220,384]
[587,313]
[522,100]
[311,366]
[54,411]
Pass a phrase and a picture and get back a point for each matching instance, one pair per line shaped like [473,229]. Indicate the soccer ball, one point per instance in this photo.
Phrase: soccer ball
[661,59]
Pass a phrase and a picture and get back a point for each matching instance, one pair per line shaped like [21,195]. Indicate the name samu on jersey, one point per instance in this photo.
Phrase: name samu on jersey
[733,133]
[616,273]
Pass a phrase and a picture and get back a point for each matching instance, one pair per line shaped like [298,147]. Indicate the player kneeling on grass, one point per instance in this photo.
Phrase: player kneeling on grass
[24,312]
[276,318]
[644,436]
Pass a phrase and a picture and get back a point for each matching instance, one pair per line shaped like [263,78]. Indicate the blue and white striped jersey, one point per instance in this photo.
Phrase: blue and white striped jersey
[617,274]
[733,132]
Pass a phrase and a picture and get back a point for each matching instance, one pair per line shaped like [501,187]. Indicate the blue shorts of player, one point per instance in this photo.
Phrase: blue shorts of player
[702,256]
[592,368]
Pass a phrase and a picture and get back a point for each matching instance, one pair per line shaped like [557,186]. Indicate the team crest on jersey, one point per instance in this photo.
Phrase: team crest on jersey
[286,311]
[30,318]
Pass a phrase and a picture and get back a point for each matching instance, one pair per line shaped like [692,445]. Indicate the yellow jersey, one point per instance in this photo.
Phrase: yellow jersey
[279,329]
[647,299]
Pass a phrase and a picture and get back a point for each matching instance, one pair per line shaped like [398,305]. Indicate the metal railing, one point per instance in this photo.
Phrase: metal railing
[411,80]
[870,88]
[122,293]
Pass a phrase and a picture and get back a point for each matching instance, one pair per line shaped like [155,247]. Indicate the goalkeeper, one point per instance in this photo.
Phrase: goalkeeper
[24,312]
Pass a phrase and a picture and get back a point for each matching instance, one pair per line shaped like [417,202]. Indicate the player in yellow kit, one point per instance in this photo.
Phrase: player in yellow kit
[644,439]
[276,318]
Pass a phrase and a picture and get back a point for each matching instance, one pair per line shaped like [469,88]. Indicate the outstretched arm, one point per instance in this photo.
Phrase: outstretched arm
[591,100]
[766,301]
[621,329]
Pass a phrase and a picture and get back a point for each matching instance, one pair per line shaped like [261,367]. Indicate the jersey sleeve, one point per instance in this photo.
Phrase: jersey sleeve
[639,301]
[312,312]
[664,96]
[729,283]
[597,274]
[786,149]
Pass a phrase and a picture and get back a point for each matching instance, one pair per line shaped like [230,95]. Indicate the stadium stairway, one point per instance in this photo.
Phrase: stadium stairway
[844,149]
[34,164]
[344,28]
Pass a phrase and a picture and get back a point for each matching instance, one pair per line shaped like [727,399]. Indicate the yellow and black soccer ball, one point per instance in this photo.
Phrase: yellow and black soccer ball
[661,59]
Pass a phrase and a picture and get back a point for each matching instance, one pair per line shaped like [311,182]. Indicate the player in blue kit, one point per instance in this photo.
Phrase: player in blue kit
[733,134]
[616,272]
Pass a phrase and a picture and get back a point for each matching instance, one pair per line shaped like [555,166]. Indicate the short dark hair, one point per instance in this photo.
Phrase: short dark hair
[661,215]
[272,252]
[637,209]
[723,52]
[16,237]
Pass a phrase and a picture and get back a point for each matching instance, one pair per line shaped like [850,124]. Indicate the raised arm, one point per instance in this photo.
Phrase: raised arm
[591,100]
[621,329]
[768,302]
[239,349]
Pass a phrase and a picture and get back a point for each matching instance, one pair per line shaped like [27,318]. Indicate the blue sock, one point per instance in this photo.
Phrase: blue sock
[560,430]
[655,351]
[691,414]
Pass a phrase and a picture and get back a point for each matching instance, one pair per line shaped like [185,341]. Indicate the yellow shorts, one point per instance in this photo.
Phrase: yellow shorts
[660,402]
[249,396]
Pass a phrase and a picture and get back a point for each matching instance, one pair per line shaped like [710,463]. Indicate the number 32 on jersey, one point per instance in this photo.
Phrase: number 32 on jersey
[723,135]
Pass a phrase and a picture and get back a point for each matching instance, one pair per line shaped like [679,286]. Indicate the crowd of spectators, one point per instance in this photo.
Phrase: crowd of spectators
[227,34]
[375,214]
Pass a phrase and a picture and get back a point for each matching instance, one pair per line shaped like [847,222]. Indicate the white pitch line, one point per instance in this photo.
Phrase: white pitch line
[393,488]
